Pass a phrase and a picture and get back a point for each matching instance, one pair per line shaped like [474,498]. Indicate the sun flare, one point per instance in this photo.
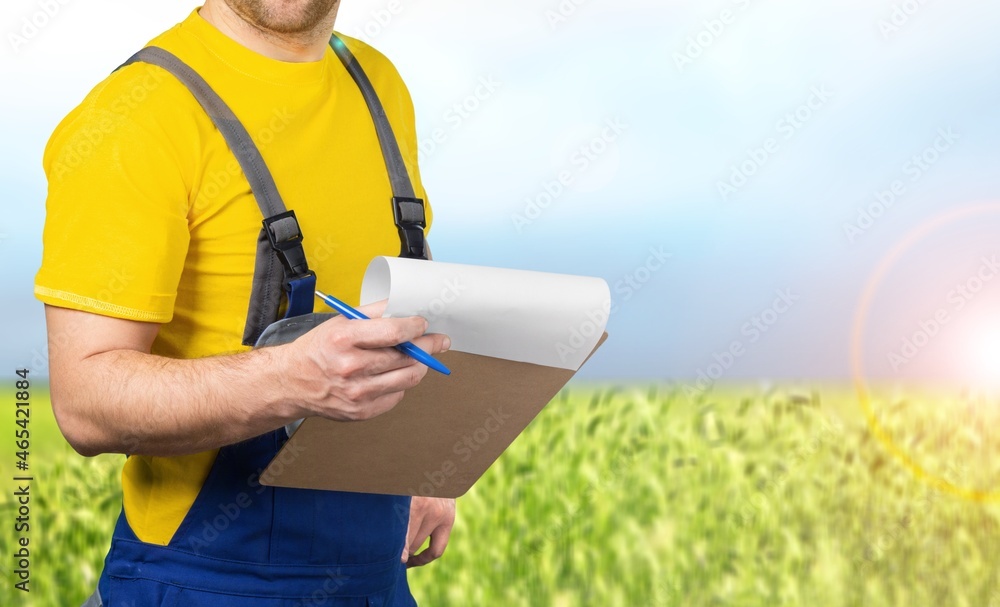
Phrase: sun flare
[986,356]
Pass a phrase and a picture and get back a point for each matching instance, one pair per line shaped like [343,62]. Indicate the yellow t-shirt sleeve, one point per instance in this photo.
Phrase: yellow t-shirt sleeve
[116,230]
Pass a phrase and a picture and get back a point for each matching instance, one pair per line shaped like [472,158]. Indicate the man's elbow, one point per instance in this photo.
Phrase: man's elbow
[85,449]
[79,369]
[79,431]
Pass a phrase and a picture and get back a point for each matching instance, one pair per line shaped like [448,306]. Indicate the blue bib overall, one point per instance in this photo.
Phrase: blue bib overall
[244,544]
[241,543]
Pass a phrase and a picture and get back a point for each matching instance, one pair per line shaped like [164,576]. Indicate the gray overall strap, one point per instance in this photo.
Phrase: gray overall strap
[235,134]
[280,263]
[407,209]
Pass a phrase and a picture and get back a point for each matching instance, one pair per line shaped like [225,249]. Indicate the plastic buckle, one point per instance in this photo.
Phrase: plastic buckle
[408,213]
[289,248]
[300,281]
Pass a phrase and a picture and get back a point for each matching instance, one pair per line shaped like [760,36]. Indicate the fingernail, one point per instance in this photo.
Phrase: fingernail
[447,344]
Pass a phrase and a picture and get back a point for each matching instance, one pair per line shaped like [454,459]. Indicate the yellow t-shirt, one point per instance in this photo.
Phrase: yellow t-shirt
[149,217]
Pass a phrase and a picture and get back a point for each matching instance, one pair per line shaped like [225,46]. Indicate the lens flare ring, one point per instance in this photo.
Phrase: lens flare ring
[857,355]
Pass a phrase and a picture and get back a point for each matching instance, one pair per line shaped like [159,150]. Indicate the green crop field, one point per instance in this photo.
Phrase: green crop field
[644,496]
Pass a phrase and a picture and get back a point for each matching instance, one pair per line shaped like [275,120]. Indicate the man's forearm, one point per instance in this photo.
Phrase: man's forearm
[110,394]
[131,402]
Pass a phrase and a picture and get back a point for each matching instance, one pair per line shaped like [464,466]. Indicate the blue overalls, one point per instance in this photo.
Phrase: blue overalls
[248,545]
[242,543]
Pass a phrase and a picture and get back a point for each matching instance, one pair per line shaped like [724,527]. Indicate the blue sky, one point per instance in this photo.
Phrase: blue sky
[825,103]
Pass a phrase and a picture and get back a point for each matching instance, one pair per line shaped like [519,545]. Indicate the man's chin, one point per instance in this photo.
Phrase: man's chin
[292,17]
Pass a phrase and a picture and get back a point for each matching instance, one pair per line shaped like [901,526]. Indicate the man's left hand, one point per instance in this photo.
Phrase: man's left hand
[429,517]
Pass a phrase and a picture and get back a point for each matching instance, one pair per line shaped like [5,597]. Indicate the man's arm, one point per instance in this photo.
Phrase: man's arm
[110,395]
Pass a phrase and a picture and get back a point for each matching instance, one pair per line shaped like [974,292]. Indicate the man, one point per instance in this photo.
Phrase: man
[149,252]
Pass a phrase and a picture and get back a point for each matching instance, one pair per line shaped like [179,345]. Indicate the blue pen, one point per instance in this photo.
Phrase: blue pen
[406,348]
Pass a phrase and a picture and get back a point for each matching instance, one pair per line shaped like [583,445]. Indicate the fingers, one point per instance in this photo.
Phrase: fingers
[431,517]
[393,383]
[375,309]
[382,332]
[368,347]
[439,541]
[386,332]
[358,372]
[383,360]
[433,343]
[369,396]
[361,411]
[421,526]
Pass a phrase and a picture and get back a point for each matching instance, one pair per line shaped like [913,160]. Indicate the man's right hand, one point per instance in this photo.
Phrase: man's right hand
[350,370]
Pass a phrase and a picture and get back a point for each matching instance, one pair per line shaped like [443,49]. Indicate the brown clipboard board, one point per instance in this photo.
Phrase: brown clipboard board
[437,442]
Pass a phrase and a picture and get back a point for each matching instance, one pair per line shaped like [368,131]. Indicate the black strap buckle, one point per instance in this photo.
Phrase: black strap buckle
[408,214]
[286,239]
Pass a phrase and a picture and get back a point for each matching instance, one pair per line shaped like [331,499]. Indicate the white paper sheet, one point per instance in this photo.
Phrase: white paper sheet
[535,317]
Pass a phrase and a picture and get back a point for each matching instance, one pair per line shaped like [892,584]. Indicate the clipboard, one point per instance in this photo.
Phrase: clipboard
[437,442]
[517,338]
